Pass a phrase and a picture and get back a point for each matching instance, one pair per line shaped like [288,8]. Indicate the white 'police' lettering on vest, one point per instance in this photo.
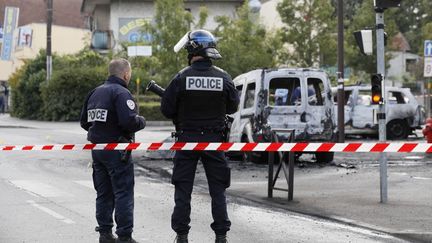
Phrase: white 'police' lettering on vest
[204,83]
[99,115]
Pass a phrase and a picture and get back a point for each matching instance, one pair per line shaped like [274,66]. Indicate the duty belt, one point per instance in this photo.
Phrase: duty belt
[198,130]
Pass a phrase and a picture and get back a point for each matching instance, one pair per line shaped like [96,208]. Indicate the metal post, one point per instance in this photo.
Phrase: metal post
[428,99]
[340,94]
[272,156]
[48,48]
[425,97]
[291,160]
[381,112]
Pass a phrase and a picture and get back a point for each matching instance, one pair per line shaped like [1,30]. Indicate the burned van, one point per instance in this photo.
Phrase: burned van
[403,113]
[284,98]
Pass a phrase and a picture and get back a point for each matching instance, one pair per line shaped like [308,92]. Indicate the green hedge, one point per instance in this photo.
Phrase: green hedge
[63,97]
[151,111]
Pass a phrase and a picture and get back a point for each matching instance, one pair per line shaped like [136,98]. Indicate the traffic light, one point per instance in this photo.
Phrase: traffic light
[376,83]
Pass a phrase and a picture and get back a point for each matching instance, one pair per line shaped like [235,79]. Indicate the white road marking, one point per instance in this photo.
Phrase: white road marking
[88,184]
[51,212]
[421,178]
[39,188]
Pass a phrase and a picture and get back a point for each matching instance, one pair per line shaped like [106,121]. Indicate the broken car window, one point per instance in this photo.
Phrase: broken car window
[281,91]
[397,98]
[315,91]
[250,96]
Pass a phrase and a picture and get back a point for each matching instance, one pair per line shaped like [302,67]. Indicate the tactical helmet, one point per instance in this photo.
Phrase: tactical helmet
[199,43]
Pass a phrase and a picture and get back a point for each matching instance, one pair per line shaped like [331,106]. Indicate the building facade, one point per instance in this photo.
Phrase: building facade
[31,38]
[117,21]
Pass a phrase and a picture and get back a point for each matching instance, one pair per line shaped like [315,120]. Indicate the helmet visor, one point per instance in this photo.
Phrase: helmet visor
[212,53]
[181,43]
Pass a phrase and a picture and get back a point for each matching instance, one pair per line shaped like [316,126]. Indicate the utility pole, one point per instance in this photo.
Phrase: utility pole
[48,48]
[340,75]
[381,112]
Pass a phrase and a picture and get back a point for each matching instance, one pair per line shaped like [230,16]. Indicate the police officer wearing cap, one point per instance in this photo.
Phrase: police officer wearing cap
[198,99]
[110,116]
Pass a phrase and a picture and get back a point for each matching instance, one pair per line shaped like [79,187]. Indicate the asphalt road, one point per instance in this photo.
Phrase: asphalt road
[48,197]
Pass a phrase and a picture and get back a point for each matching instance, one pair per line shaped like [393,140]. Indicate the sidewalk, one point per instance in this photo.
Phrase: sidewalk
[349,196]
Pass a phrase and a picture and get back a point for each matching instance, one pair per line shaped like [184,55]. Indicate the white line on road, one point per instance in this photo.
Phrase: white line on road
[422,178]
[39,188]
[88,184]
[51,212]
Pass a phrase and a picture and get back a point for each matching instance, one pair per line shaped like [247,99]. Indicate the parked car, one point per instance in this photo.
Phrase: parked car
[403,113]
[299,99]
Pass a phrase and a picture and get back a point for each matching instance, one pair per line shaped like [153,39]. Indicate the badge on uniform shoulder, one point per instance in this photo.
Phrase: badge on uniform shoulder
[130,104]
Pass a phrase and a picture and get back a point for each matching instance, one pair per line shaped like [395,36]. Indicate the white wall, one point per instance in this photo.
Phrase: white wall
[398,64]
[125,9]
[269,16]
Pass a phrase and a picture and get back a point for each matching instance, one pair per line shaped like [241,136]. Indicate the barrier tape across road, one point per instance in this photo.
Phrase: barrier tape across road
[269,147]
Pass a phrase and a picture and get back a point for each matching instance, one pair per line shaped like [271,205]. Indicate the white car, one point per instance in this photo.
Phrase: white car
[299,99]
[403,113]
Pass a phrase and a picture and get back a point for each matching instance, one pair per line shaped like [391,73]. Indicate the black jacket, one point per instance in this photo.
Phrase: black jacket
[199,97]
[110,114]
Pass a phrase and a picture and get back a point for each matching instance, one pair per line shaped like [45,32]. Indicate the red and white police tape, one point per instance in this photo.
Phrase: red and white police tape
[293,147]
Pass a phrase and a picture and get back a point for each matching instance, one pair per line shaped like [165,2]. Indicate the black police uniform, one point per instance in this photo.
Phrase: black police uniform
[197,100]
[110,116]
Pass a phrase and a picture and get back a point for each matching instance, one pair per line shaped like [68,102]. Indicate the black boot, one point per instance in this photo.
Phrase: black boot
[125,239]
[221,239]
[181,238]
[106,237]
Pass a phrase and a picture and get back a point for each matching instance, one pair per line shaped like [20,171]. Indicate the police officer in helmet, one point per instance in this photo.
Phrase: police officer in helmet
[110,116]
[198,99]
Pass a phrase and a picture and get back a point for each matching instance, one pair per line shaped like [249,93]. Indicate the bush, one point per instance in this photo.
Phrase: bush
[64,96]
[25,82]
[151,111]
[26,100]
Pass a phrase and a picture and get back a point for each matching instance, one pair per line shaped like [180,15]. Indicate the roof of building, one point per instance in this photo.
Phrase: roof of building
[400,43]
[65,13]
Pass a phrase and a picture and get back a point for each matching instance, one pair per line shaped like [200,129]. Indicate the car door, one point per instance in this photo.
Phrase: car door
[235,132]
[348,106]
[363,110]
[319,112]
[285,106]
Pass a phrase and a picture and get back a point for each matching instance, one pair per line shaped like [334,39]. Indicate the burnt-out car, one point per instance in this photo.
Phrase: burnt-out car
[403,112]
[284,98]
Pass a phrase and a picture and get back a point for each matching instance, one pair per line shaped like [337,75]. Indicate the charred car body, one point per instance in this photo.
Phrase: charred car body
[403,113]
[284,98]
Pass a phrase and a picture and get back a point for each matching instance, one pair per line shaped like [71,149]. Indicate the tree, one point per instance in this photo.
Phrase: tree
[309,29]
[170,23]
[365,18]
[349,9]
[411,17]
[243,44]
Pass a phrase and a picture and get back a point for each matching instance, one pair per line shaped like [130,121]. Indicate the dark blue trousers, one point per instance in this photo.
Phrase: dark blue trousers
[114,182]
[218,178]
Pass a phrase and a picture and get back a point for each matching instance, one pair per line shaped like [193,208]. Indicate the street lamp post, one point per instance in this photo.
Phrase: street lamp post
[48,48]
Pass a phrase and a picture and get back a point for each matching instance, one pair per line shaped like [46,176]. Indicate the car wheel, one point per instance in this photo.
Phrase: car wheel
[397,130]
[324,157]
